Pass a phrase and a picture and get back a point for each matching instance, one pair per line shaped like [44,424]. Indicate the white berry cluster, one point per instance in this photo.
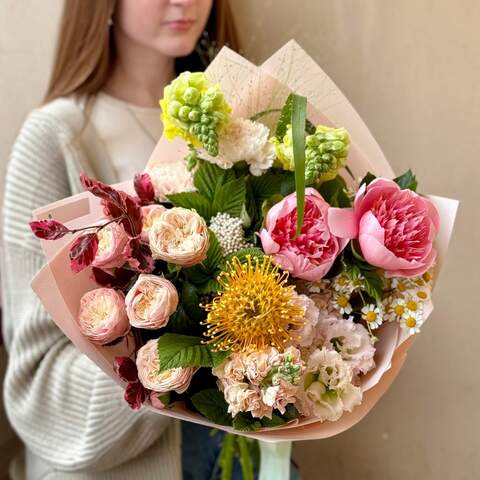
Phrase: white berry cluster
[229,232]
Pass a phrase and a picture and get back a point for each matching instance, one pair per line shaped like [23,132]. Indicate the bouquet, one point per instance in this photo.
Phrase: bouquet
[265,274]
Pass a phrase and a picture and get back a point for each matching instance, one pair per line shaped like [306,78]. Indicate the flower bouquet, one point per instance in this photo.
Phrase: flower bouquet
[265,275]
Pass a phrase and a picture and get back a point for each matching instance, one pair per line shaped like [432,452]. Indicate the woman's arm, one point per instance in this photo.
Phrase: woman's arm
[63,406]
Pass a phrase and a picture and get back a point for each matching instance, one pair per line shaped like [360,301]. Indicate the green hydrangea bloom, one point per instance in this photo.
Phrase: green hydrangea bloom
[325,153]
[194,110]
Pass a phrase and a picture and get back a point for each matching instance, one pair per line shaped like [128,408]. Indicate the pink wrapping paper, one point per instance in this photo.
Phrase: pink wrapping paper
[249,89]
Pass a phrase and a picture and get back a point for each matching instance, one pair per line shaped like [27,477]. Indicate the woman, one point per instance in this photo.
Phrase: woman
[101,116]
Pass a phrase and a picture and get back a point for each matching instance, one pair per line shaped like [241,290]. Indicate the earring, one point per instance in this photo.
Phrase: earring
[110,22]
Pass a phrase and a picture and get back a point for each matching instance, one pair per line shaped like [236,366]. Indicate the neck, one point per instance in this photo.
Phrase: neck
[139,74]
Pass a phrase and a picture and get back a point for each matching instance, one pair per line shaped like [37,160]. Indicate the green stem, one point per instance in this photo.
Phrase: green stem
[264,112]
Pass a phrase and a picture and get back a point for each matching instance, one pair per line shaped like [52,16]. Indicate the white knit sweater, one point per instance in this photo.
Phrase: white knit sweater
[70,415]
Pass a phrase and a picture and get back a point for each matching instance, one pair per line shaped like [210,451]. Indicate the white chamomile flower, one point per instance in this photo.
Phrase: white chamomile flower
[341,301]
[343,284]
[373,315]
[318,287]
[396,309]
[413,305]
[421,294]
[401,285]
[411,322]
[427,277]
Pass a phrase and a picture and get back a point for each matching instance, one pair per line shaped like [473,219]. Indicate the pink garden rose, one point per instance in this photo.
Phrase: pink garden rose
[112,241]
[148,365]
[150,213]
[151,301]
[102,317]
[311,255]
[395,228]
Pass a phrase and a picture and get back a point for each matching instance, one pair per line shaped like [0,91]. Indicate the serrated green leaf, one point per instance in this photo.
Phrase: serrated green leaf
[285,118]
[244,422]
[181,322]
[211,286]
[177,350]
[407,181]
[193,200]
[299,111]
[275,421]
[266,185]
[230,197]
[212,405]
[254,252]
[206,178]
[288,184]
[214,253]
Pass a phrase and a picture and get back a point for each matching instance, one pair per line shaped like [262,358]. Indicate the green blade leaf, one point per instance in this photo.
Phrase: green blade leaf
[176,351]
[227,456]
[299,111]
[407,181]
[230,197]
[245,458]
[193,200]
[212,405]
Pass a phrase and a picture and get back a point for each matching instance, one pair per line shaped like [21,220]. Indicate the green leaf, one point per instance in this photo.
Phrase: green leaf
[368,178]
[333,192]
[288,184]
[206,178]
[212,405]
[182,322]
[191,302]
[266,185]
[203,272]
[176,351]
[209,287]
[275,421]
[285,118]
[299,111]
[373,284]
[193,200]
[407,181]
[230,197]
[254,252]
[244,422]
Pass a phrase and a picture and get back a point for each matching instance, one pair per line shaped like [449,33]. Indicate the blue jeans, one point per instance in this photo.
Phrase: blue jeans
[200,452]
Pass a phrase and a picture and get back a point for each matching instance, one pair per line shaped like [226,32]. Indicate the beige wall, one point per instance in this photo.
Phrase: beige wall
[412,70]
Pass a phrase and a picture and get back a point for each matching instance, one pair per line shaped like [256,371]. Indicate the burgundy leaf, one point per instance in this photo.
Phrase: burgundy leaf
[83,251]
[134,221]
[101,190]
[135,394]
[140,256]
[126,369]
[120,277]
[144,188]
[49,229]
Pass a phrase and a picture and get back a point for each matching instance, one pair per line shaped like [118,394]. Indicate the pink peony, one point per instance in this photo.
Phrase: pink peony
[102,317]
[311,255]
[396,228]
[148,365]
[150,213]
[151,301]
[112,241]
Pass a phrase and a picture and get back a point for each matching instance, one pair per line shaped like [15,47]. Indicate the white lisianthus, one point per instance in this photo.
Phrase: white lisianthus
[243,139]
[327,389]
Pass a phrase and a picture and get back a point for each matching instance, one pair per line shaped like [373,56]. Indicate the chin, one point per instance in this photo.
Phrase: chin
[178,47]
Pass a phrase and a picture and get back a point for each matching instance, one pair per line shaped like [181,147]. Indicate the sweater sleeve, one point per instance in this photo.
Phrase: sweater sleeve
[66,410]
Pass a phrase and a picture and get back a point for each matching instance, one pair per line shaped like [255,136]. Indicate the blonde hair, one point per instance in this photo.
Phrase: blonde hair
[86,48]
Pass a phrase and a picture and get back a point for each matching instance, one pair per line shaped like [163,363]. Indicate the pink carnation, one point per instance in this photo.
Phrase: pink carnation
[395,228]
[102,317]
[311,255]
